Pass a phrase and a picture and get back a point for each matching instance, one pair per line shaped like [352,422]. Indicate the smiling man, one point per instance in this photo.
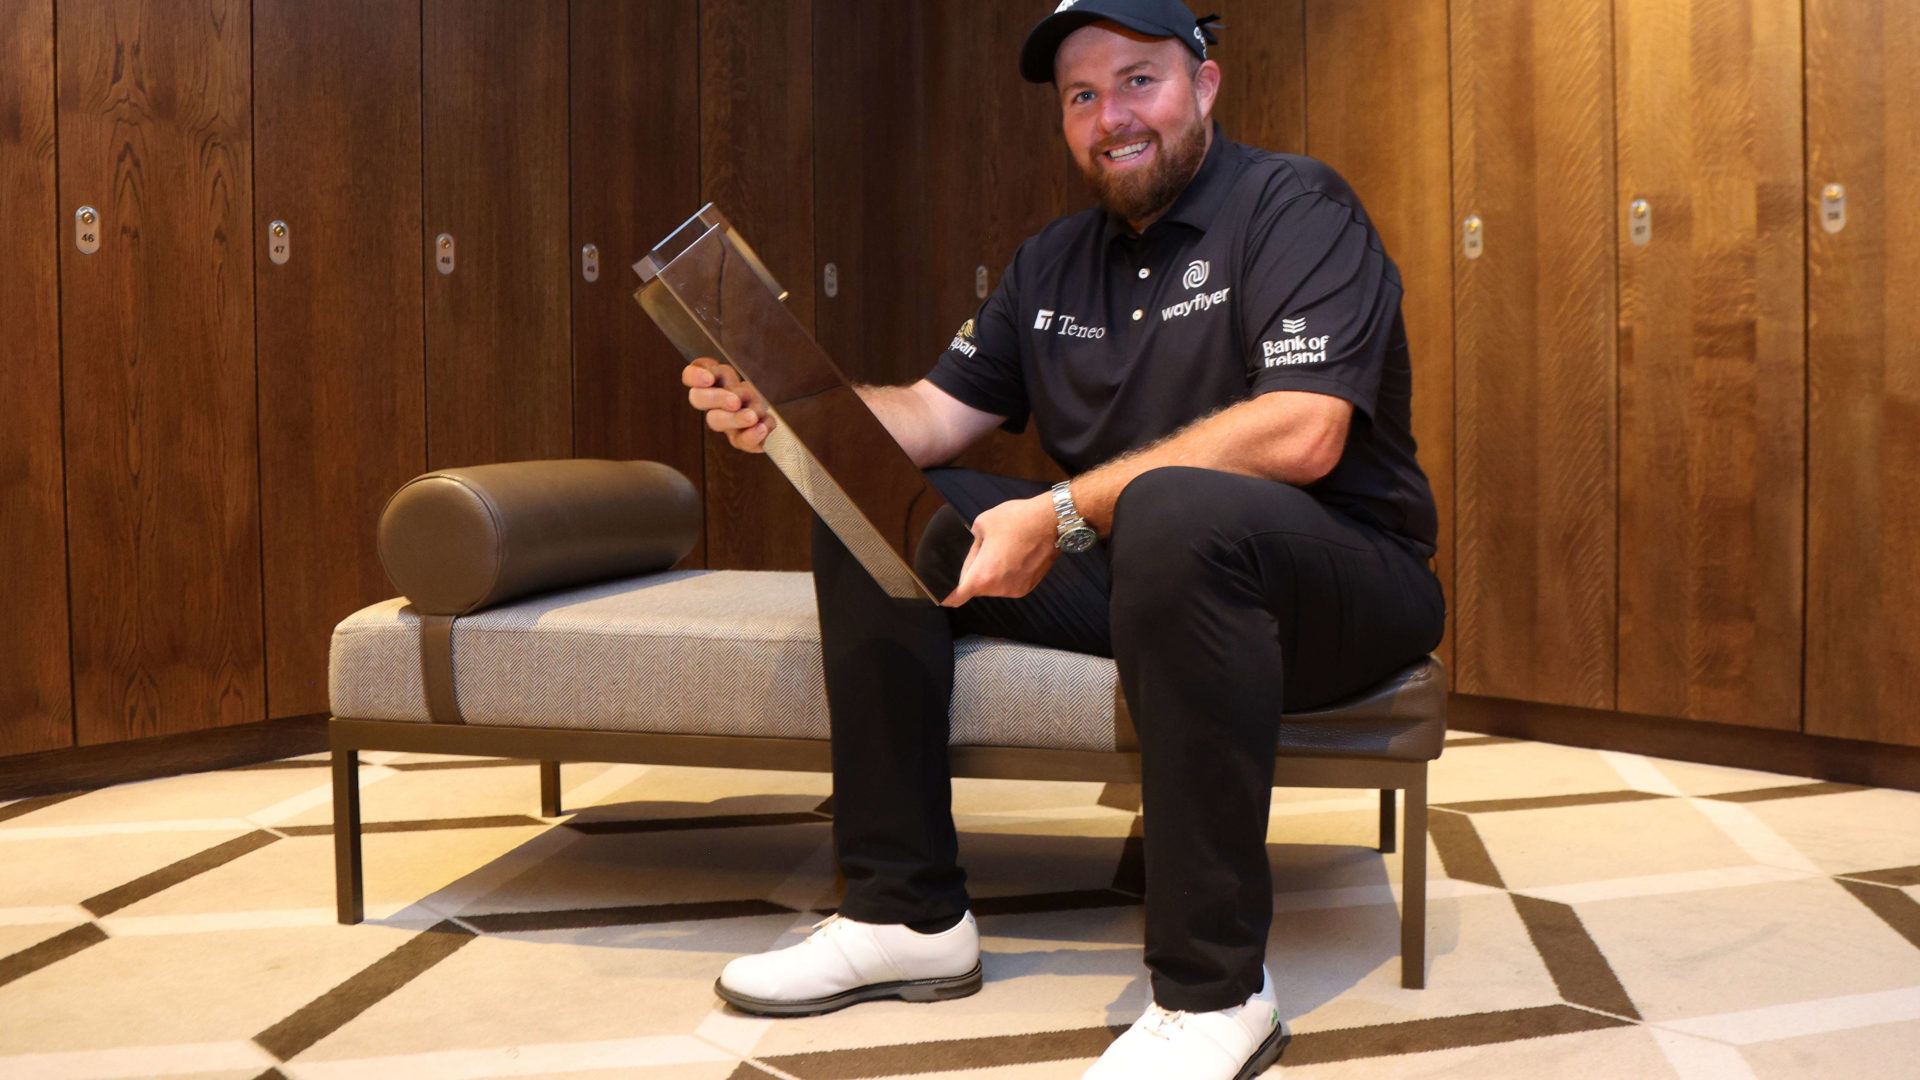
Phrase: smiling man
[1214,355]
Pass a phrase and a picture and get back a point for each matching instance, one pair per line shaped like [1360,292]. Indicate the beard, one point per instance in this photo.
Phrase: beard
[1141,193]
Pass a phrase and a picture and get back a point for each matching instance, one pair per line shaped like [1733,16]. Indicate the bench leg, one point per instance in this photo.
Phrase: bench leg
[549,789]
[1386,821]
[347,868]
[1413,876]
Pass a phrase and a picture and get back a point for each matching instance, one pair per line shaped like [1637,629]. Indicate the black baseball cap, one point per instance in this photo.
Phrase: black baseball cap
[1156,18]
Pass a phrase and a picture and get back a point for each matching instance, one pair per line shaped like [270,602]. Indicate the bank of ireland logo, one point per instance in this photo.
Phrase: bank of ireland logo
[1196,274]
[1293,326]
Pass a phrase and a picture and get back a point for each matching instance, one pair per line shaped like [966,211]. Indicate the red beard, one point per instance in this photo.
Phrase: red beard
[1139,194]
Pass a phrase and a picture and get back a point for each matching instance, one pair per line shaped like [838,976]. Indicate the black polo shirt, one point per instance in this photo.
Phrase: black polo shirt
[1264,275]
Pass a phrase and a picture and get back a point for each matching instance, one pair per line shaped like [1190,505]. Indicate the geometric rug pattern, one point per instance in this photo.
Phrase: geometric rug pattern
[1591,915]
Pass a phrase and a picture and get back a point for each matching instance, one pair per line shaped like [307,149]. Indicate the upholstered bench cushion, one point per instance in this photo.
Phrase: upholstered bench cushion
[738,653]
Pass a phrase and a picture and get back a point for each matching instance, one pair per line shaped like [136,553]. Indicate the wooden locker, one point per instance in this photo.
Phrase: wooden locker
[342,382]
[1863,588]
[36,703]
[635,101]
[157,331]
[756,163]
[1712,359]
[1377,112]
[499,379]
[1534,593]
[1263,72]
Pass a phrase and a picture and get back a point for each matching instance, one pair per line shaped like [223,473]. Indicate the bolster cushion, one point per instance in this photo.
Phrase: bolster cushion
[456,541]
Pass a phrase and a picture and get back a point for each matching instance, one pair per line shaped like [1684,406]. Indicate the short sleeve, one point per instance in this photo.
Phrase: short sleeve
[1320,302]
[981,367]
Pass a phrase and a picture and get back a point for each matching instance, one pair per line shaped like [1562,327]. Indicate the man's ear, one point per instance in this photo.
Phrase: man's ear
[1206,87]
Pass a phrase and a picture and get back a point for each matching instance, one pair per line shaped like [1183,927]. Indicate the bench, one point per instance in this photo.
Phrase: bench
[539,619]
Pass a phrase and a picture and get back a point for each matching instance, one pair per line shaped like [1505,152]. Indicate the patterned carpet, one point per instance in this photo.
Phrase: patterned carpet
[1593,915]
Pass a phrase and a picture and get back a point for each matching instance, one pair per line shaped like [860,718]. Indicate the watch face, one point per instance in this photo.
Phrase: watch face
[1076,540]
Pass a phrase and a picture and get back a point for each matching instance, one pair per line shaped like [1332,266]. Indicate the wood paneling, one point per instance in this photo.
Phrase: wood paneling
[1533,158]
[1263,72]
[36,704]
[756,164]
[342,396]
[635,178]
[1712,360]
[1377,112]
[1863,590]
[162,478]
[997,172]
[499,379]
[870,190]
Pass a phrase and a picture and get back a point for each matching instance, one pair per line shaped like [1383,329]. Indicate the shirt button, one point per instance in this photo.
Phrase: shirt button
[1144,272]
[1138,314]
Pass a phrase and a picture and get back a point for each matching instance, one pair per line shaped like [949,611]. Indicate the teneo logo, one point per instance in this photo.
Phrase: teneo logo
[1068,326]
[1200,302]
[1294,351]
[962,341]
[1293,326]
[1196,274]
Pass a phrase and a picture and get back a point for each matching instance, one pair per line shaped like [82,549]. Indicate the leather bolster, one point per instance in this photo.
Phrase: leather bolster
[456,541]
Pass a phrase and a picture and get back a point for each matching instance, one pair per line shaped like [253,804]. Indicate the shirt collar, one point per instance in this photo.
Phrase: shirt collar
[1201,199]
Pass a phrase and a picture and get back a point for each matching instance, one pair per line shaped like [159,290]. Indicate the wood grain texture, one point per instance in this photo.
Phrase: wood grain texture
[499,384]
[870,190]
[36,701]
[1534,592]
[1263,72]
[342,390]
[162,476]
[1712,360]
[1377,111]
[1863,592]
[756,164]
[997,171]
[636,176]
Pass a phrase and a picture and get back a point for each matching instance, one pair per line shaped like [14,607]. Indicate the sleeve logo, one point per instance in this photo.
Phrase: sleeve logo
[963,341]
[1293,326]
[1196,274]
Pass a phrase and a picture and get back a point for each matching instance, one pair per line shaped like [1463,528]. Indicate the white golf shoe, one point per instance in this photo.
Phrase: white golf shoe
[1232,1044]
[843,962]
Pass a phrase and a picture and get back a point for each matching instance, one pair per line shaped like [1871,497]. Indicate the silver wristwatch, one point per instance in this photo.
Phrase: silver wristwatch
[1074,534]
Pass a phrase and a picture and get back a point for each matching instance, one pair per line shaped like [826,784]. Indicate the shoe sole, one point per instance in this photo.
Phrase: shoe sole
[945,989]
[1268,1054]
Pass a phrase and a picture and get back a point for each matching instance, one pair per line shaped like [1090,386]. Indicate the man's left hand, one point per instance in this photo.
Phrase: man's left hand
[1013,547]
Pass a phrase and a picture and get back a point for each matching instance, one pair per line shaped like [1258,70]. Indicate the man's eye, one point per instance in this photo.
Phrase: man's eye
[1082,97]
[1141,80]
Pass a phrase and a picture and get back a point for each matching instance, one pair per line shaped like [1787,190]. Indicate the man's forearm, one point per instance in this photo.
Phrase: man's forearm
[1281,438]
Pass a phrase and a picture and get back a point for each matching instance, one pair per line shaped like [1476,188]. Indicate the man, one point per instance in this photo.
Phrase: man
[1215,357]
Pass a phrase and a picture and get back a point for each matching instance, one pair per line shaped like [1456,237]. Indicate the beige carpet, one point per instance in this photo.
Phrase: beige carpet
[1593,915]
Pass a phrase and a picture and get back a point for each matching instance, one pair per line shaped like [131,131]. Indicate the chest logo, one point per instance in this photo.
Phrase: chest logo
[1196,274]
[1066,325]
[1198,302]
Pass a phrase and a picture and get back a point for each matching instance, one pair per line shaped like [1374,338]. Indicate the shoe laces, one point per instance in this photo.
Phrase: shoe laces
[1163,1022]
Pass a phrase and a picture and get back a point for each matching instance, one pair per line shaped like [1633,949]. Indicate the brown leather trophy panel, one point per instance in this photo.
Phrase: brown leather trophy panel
[712,296]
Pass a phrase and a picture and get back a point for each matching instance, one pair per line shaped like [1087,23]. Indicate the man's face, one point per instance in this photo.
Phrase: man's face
[1135,116]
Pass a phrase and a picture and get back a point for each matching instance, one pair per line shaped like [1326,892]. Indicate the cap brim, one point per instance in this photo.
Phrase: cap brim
[1036,56]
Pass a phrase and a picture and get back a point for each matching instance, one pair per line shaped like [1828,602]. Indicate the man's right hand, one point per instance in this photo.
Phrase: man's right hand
[733,407]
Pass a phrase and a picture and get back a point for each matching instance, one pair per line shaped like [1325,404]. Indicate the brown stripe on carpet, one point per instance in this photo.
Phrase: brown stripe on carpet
[51,951]
[1789,791]
[904,1059]
[1477,740]
[332,1010]
[174,873]
[1895,908]
[39,802]
[271,1074]
[1121,797]
[1130,875]
[1577,965]
[519,922]
[270,766]
[1899,877]
[746,1071]
[1037,903]
[1443,1033]
[498,821]
[710,821]
[460,763]
[1462,854]
[1548,802]
[825,807]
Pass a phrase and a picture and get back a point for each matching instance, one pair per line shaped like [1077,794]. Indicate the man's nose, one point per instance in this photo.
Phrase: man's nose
[1115,115]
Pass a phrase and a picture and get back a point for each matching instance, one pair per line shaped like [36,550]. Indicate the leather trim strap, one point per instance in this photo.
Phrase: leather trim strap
[436,668]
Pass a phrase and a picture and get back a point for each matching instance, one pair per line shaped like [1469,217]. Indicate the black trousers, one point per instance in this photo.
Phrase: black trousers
[1222,598]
